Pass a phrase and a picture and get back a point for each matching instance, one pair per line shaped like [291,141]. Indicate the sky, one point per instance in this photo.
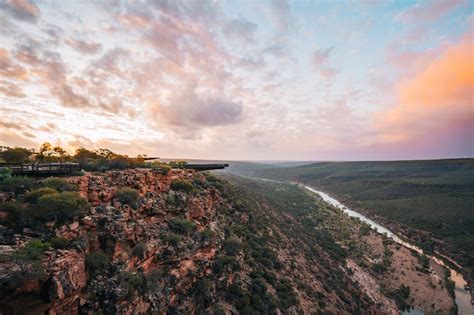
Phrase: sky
[240,80]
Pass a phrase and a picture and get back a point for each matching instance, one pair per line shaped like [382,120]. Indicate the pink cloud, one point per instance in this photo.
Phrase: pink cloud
[437,100]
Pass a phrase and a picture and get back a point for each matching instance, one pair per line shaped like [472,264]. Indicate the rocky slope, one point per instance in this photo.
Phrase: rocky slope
[205,246]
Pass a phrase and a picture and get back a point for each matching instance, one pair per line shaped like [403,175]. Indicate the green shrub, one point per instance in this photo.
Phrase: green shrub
[96,262]
[5,172]
[206,234]
[61,207]
[162,168]
[17,215]
[16,184]
[182,184]
[172,239]
[139,250]
[60,184]
[232,247]
[182,226]
[59,242]
[127,196]
[29,262]
[34,195]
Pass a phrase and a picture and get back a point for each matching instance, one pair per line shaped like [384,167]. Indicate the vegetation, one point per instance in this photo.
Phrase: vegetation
[139,250]
[59,242]
[415,193]
[34,195]
[96,262]
[127,196]
[59,184]
[16,184]
[61,207]
[28,262]
[181,226]
[182,185]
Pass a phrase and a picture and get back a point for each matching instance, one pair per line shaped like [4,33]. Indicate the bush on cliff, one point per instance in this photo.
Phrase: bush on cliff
[16,184]
[60,184]
[127,196]
[139,250]
[28,261]
[96,262]
[160,167]
[182,184]
[182,226]
[15,214]
[59,242]
[34,195]
[232,246]
[61,207]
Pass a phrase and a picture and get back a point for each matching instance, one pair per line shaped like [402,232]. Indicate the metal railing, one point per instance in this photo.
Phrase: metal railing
[41,168]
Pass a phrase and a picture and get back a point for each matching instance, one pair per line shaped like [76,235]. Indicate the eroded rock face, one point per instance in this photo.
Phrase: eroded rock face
[68,274]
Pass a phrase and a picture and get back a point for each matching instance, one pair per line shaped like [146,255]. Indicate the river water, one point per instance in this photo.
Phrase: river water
[462,296]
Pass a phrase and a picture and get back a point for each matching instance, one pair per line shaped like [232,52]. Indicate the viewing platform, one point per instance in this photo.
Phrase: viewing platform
[205,167]
[41,169]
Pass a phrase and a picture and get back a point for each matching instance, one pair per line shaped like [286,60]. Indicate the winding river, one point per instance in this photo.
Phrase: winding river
[462,296]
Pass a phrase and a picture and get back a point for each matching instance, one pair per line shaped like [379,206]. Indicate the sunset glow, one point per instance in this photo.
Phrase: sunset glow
[258,80]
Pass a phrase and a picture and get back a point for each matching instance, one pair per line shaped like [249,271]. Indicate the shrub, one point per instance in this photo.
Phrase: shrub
[96,262]
[60,184]
[16,184]
[139,250]
[119,163]
[61,207]
[34,195]
[127,196]
[232,247]
[182,184]
[5,172]
[28,260]
[162,168]
[182,226]
[172,239]
[207,234]
[59,242]
[17,216]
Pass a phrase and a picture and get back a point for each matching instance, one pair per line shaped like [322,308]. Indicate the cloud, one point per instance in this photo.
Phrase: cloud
[11,89]
[190,111]
[438,100]
[428,11]
[280,10]
[24,10]
[83,46]
[9,69]
[320,60]
[241,29]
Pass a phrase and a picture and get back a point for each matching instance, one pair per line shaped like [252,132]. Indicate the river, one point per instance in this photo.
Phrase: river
[462,296]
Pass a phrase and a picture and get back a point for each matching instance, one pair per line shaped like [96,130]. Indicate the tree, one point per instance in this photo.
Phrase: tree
[48,153]
[28,261]
[18,155]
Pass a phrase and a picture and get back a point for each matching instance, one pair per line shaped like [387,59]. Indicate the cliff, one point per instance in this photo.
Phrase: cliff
[188,243]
